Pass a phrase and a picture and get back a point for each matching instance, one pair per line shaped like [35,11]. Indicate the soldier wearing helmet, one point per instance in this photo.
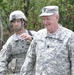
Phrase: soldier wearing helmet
[13,53]
[17,16]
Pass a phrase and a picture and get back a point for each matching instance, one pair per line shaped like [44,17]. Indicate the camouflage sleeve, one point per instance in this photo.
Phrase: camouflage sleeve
[71,53]
[29,63]
[4,56]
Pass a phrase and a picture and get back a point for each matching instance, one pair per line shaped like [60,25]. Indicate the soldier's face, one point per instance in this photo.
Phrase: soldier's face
[17,24]
[50,22]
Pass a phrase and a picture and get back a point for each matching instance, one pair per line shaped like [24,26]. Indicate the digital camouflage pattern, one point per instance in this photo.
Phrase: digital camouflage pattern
[13,54]
[50,54]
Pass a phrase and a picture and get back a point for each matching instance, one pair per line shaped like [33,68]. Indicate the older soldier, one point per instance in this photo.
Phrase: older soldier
[50,52]
[14,51]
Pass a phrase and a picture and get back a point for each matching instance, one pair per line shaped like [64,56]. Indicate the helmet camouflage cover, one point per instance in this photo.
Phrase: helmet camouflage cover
[17,15]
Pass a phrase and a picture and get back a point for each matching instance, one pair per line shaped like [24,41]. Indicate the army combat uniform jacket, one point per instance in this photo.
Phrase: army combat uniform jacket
[13,54]
[50,54]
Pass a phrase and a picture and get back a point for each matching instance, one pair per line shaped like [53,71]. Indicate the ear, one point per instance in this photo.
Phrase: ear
[57,16]
[22,21]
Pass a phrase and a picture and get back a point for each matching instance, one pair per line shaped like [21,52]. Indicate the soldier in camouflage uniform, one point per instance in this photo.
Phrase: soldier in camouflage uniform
[51,51]
[14,51]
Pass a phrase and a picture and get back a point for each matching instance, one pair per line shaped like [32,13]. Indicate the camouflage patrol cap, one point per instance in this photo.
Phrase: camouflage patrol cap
[49,10]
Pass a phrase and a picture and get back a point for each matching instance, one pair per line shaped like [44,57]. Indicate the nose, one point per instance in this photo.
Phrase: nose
[16,23]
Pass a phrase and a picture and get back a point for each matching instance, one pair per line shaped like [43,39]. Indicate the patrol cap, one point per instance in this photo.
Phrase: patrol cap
[49,10]
[17,15]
